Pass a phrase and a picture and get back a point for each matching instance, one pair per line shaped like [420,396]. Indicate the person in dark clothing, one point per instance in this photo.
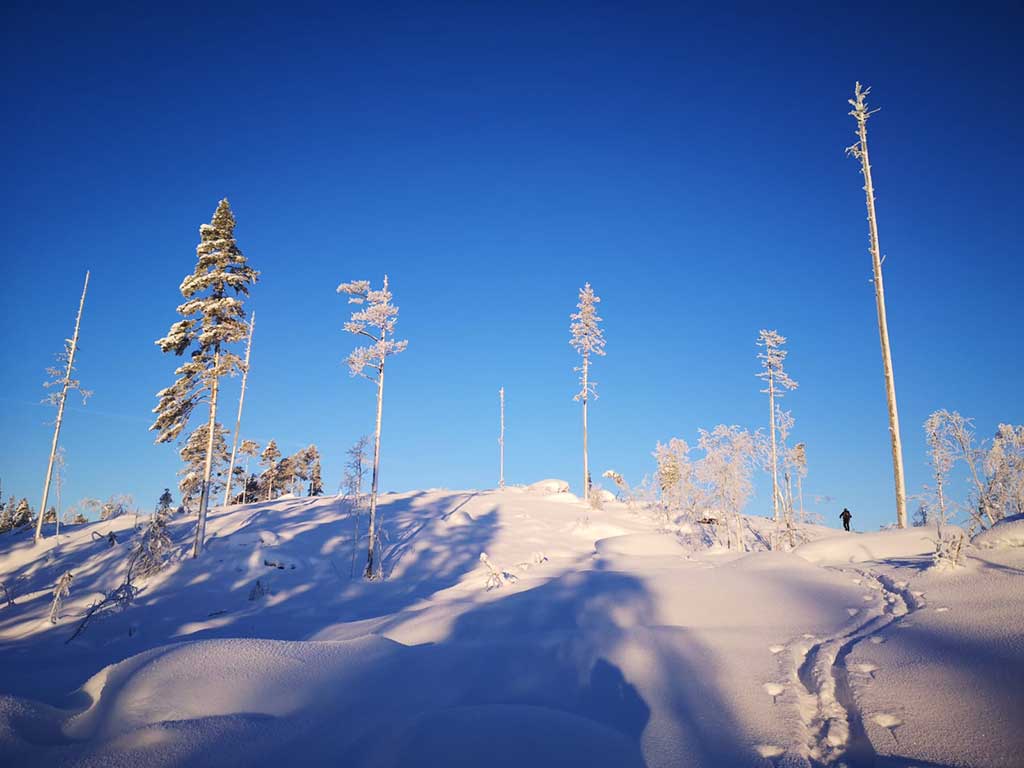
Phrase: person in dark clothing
[846,515]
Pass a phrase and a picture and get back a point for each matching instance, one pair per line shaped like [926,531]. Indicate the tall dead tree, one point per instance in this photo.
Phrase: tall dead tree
[778,381]
[377,323]
[859,150]
[587,339]
[66,383]
[241,402]
[501,441]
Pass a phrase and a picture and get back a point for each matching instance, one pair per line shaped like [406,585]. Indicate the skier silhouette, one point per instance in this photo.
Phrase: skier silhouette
[846,515]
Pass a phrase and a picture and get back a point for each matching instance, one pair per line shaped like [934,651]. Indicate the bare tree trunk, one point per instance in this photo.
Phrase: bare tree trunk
[789,506]
[800,492]
[501,442]
[883,331]
[204,499]
[586,458]
[238,421]
[60,412]
[775,464]
[372,531]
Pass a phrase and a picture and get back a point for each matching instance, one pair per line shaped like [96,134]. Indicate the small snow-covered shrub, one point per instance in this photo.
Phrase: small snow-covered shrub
[496,578]
[61,590]
[154,547]
[549,486]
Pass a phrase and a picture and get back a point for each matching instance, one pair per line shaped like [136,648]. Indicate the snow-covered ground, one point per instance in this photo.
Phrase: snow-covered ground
[612,642]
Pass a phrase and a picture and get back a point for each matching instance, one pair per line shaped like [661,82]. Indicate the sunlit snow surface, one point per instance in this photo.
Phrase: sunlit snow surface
[614,641]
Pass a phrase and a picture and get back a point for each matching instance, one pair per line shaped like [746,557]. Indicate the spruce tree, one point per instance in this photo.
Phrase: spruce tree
[22,515]
[377,323]
[165,502]
[269,458]
[213,320]
[316,483]
[194,456]
[587,339]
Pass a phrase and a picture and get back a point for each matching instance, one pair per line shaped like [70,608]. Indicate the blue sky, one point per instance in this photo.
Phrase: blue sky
[491,158]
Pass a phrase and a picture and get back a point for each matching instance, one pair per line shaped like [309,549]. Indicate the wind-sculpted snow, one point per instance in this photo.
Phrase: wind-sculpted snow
[612,639]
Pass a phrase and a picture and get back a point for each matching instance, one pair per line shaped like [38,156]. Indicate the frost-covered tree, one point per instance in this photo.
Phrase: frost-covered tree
[268,460]
[587,339]
[996,473]
[115,506]
[7,516]
[859,150]
[241,402]
[797,462]
[938,432]
[316,483]
[62,381]
[214,319]
[777,381]
[675,478]
[352,486]
[730,454]
[165,503]
[784,424]
[154,547]
[198,453]
[377,323]
[1004,470]
[22,514]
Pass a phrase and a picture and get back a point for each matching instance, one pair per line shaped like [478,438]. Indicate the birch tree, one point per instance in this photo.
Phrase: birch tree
[214,319]
[587,339]
[778,381]
[675,478]
[375,322]
[241,402]
[730,454]
[859,150]
[62,382]
[996,472]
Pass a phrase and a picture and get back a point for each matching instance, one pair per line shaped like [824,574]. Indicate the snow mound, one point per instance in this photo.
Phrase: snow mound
[563,497]
[1003,535]
[642,544]
[211,678]
[871,547]
[604,494]
[550,485]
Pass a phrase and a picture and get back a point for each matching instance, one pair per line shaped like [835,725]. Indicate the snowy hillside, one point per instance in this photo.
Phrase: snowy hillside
[583,637]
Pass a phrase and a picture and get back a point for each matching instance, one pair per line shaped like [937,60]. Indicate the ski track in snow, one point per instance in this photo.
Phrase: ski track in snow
[835,733]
